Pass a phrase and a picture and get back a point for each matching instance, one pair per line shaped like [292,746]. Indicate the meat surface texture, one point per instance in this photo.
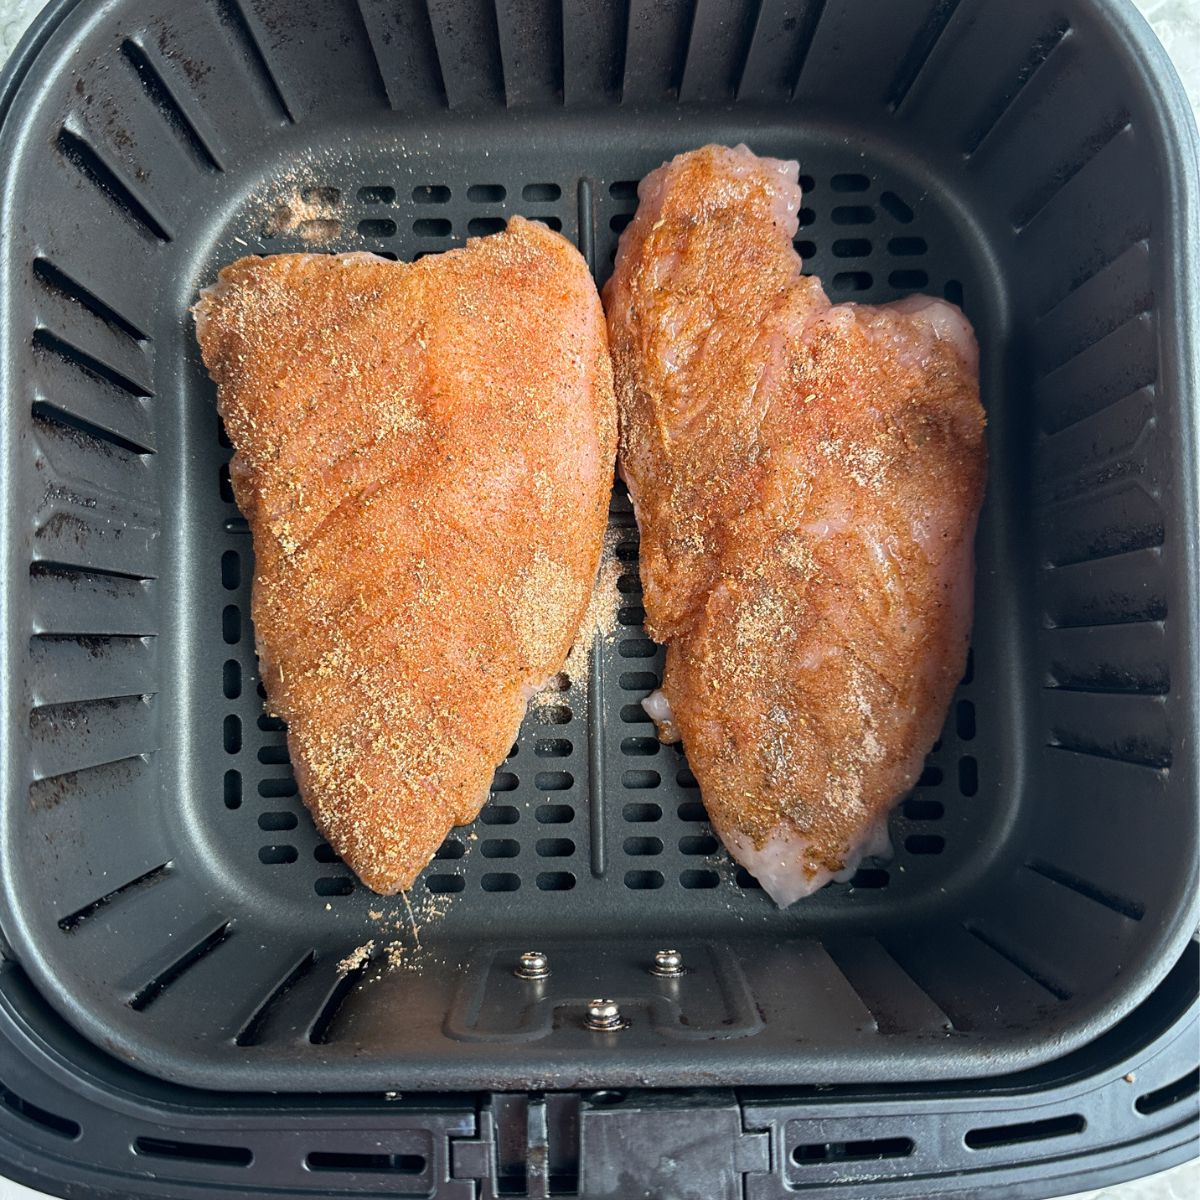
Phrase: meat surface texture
[424,453]
[807,479]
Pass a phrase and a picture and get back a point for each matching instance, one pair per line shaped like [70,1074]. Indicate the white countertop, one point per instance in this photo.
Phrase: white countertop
[1177,23]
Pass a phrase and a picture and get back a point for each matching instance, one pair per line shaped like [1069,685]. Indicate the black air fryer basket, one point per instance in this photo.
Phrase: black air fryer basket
[177,939]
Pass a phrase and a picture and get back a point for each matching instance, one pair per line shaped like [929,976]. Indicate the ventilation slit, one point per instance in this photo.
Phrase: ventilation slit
[920,52]
[875,1150]
[1024,1131]
[149,992]
[36,1115]
[1083,887]
[813,13]
[1011,956]
[319,1032]
[1172,1093]
[197,1152]
[397,1164]
[1041,198]
[167,104]
[248,1035]
[1039,52]
[233,17]
[87,161]
[57,279]
[75,919]
[45,339]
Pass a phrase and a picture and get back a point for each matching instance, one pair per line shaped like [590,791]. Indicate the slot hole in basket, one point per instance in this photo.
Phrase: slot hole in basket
[852,281]
[486,193]
[275,856]
[851,248]
[36,1115]
[555,848]
[643,846]
[895,207]
[908,280]
[917,809]
[695,844]
[870,878]
[968,776]
[233,789]
[924,843]
[500,881]
[198,1152]
[636,746]
[699,880]
[873,1150]
[500,848]
[644,881]
[444,885]
[637,780]
[231,570]
[431,193]
[334,885]
[907,247]
[636,813]
[270,821]
[965,720]
[1174,1092]
[638,681]
[231,679]
[541,192]
[499,814]
[1024,1131]
[554,814]
[377,227]
[396,1164]
[555,881]
[377,194]
[853,214]
[482,226]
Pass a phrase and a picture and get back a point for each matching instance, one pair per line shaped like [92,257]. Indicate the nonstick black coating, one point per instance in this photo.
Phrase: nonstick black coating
[163,884]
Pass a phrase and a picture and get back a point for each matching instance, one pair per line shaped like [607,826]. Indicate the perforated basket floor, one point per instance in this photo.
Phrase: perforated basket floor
[163,884]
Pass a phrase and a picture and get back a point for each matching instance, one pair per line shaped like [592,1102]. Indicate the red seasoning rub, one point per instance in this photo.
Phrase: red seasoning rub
[807,479]
[424,453]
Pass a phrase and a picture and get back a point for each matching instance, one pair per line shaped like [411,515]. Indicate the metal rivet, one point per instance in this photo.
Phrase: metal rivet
[603,1016]
[532,964]
[668,964]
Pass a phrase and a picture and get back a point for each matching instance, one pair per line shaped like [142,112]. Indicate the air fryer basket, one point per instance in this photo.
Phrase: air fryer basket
[163,885]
